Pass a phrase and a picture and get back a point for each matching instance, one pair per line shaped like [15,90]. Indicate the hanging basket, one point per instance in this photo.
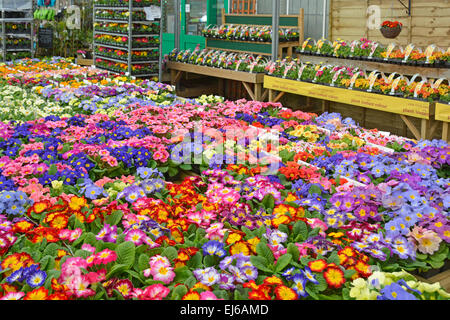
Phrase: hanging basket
[391,33]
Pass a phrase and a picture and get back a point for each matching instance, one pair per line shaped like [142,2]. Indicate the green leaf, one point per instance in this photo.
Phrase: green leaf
[323,285]
[117,269]
[82,253]
[346,294]
[260,231]
[143,262]
[421,256]
[126,253]
[182,274]
[114,218]
[170,252]
[260,263]
[312,293]
[300,230]
[190,282]
[283,228]
[438,257]
[44,262]
[209,261]
[282,262]
[269,201]
[172,172]
[178,292]
[52,170]
[196,261]
[90,239]
[349,273]
[163,169]
[264,251]
[135,275]
[315,189]
[51,249]
[186,167]
[333,258]
[292,249]
[436,264]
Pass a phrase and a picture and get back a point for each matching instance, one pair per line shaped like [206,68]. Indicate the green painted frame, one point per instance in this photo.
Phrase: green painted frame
[189,41]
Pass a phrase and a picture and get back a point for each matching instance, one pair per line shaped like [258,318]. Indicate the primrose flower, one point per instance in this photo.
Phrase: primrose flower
[105,256]
[395,291]
[426,241]
[162,272]
[214,248]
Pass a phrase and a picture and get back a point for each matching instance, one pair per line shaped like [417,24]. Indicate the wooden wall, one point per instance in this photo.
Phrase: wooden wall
[429,22]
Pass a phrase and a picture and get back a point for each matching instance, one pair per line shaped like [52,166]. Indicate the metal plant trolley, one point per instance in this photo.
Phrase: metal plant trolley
[131,34]
[25,7]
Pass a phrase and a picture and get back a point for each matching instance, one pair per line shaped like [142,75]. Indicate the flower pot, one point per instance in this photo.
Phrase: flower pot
[391,33]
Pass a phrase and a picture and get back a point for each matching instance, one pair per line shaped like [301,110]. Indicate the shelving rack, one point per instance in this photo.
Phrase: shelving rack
[7,7]
[131,34]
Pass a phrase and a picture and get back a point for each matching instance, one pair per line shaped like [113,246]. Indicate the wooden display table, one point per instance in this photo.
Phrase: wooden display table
[443,114]
[404,107]
[248,79]
[433,73]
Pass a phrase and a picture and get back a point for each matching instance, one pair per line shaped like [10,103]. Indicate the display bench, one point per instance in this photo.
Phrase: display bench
[248,79]
[443,114]
[256,47]
[406,108]
[433,73]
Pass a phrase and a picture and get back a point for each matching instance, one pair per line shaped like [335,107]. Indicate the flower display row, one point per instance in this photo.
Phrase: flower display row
[365,49]
[354,78]
[338,76]
[248,33]
[120,15]
[23,27]
[123,55]
[125,3]
[94,205]
[123,28]
[56,87]
[122,41]
[17,43]
[220,59]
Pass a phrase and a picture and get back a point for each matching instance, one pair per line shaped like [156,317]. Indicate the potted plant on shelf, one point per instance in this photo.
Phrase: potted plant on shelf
[391,29]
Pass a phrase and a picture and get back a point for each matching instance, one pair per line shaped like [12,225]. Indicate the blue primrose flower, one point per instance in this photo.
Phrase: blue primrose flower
[36,279]
[92,192]
[395,291]
[214,248]
[299,285]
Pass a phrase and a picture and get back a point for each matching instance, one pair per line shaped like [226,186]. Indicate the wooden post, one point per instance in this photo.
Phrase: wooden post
[330,21]
[424,128]
[301,26]
[258,91]
[445,131]
[271,95]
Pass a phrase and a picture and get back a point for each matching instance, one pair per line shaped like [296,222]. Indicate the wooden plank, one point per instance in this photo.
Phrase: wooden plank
[445,131]
[397,105]
[249,90]
[435,73]
[427,24]
[279,96]
[216,72]
[443,278]
[264,95]
[411,127]
[258,91]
